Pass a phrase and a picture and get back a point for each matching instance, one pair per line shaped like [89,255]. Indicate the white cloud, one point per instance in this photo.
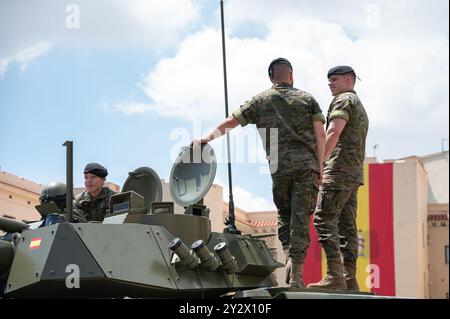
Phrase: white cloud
[131,108]
[151,25]
[360,18]
[190,85]
[401,53]
[247,201]
[404,87]
[148,24]
[3,66]
[24,57]
[184,86]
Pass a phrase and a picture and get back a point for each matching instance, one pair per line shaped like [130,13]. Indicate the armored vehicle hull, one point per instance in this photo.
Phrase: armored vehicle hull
[76,260]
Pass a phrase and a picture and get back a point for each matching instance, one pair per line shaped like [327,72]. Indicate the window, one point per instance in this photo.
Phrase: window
[446,254]
[28,202]
[10,196]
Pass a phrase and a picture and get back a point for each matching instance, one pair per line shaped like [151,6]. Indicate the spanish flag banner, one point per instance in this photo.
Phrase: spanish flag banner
[375,220]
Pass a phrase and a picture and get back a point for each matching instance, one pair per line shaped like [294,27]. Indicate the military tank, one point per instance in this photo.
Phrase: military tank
[141,249]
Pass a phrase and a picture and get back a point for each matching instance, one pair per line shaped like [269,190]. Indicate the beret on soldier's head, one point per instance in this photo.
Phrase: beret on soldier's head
[96,169]
[340,70]
[278,61]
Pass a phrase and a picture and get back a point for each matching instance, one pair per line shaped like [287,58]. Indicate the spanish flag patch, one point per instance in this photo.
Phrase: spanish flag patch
[35,243]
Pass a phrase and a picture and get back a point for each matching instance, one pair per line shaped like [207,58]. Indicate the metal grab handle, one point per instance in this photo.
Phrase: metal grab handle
[175,177]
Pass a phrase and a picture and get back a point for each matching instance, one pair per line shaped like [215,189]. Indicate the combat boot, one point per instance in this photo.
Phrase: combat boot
[288,263]
[296,278]
[350,275]
[334,280]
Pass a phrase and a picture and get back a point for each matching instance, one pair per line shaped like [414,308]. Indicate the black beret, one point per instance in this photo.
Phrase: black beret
[278,61]
[96,169]
[340,70]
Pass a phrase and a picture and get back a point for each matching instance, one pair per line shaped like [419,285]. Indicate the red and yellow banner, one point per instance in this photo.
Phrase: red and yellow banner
[381,229]
[375,221]
[313,262]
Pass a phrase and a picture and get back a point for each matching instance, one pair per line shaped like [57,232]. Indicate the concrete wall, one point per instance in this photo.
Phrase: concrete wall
[437,241]
[438,268]
[410,229]
[214,201]
[436,166]
[18,197]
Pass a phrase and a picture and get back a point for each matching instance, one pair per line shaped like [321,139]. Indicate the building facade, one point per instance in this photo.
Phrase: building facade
[18,197]
[436,166]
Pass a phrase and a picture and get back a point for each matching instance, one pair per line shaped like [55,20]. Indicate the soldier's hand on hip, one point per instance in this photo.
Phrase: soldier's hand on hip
[319,179]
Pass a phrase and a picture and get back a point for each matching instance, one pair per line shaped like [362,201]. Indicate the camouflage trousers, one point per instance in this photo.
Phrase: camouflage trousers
[335,221]
[295,197]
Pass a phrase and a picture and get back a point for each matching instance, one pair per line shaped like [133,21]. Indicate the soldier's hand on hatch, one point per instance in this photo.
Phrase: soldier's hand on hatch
[196,144]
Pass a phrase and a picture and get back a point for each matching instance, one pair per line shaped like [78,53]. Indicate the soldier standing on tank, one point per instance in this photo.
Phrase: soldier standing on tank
[294,158]
[335,215]
[94,201]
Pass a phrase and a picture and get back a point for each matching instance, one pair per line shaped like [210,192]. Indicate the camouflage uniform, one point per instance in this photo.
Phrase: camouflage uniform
[335,217]
[292,157]
[94,208]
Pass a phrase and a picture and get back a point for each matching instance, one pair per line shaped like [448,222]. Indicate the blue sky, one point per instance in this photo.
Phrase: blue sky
[135,74]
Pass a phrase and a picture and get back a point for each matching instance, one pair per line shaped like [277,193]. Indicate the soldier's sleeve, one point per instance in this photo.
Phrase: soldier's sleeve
[247,113]
[78,200]
[341,109]
[80,214]
[316,111]
[75,202]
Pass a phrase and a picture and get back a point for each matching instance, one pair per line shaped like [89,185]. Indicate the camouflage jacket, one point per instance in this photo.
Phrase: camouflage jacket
[284,117]
[346,162]
[94,208]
